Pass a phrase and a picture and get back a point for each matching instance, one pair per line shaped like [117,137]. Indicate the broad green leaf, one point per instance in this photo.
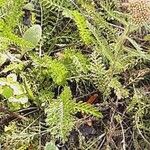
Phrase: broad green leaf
[33,35]
[17,88]
[21,100]
[7,92]
[12,78]
[29,6]
[3,58]
[50,146]
[3,81]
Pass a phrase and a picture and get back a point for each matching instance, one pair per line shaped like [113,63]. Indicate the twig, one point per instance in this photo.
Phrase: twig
[13,114]
[123,135]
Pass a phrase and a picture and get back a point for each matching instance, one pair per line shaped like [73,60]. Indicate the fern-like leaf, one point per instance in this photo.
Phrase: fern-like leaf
[81,23]
[60,114]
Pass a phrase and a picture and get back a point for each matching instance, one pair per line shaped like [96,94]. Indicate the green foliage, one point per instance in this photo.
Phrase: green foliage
[120,91]
[33,35]
[2,2]
[59,72]
[50,146]
[81,50]
[139,108]
[8,24]
[12,138]
[75,61]
[12,90]
[52,68]
[104,79]
[29,6]
[61,111]
[71,63]
[82,27]
[54,23]
[15,67]
[98,72]
[3,58]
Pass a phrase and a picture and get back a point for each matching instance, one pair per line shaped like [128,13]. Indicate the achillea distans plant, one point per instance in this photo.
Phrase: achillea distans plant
[140,11]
